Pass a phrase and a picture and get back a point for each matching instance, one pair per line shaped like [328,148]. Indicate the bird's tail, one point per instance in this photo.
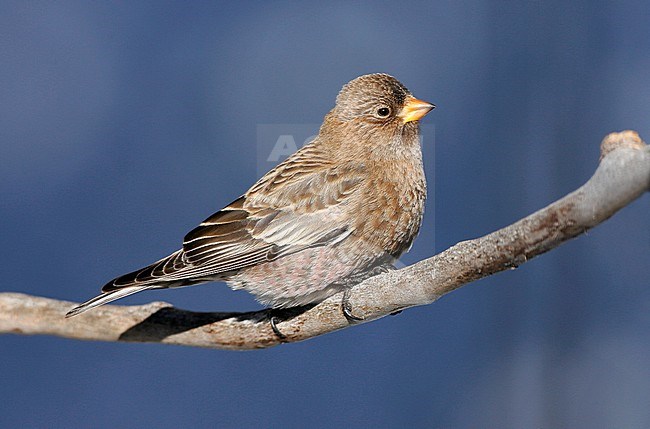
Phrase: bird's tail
[106,298]
[150,277]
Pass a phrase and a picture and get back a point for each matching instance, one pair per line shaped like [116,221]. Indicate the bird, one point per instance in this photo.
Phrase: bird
[347,203]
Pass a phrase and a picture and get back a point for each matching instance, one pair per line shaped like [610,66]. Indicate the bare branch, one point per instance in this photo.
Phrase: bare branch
[622,176]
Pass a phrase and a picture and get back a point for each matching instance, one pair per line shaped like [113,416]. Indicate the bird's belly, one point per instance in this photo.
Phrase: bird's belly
[307,276]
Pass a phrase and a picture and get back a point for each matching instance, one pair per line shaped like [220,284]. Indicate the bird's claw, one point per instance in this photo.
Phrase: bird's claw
[273,320]
[346,308]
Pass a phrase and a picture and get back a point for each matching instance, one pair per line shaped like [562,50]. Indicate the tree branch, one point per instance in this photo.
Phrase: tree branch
[622,176]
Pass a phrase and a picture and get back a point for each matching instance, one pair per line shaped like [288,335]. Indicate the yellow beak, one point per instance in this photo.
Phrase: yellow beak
[414,109]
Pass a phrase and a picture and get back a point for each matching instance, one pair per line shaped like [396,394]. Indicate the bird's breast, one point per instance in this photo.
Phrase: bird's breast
[391,208]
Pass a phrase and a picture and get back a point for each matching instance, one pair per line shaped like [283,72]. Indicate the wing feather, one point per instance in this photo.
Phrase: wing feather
[299,204]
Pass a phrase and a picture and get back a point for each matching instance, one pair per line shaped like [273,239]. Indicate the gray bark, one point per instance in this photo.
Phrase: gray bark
[622,176]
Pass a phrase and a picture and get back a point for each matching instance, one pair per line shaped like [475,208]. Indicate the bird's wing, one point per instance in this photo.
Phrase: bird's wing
[285,215]
[299,204]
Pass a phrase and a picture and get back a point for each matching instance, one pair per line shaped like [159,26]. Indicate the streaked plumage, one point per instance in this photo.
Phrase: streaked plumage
[347,202]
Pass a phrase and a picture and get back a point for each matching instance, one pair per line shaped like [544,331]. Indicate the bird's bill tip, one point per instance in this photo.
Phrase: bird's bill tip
[415,109]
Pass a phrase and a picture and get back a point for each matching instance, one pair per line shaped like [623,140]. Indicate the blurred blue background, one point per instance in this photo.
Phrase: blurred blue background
[124,124]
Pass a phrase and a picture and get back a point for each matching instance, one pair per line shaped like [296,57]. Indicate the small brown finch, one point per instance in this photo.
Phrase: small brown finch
[345,204]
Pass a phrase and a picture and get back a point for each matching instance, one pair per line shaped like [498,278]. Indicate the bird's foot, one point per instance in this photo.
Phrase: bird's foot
[279,315]
[355,280]
[274,320]
[383,268]
[346,308]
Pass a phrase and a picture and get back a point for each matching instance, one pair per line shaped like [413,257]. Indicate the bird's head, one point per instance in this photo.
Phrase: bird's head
[375,109]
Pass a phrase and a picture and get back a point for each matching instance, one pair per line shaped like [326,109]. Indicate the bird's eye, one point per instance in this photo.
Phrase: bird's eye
[383,112]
